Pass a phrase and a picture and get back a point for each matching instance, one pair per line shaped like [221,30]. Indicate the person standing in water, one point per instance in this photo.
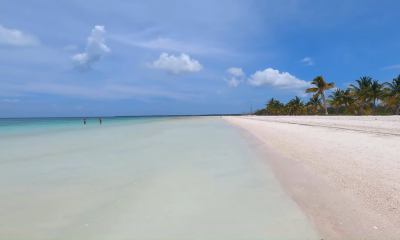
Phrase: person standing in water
[84,121]
[100,120]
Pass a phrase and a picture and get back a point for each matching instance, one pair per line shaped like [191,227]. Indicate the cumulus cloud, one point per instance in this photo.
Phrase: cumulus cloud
[95,49]
[233,82]
[11,100]
[272,78]
[308,61]
[238,72]
[180,64]
[16,38]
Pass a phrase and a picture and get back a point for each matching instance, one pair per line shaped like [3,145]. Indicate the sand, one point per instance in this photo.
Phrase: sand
[343,171]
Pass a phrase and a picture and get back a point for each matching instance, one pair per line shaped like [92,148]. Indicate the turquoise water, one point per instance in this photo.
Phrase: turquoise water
[140,178]
[10,126]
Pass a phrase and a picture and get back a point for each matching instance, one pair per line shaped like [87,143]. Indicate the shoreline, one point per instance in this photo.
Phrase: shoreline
[332,187]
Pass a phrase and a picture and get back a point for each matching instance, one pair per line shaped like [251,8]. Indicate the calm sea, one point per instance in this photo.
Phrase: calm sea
[36,125]
[139,178]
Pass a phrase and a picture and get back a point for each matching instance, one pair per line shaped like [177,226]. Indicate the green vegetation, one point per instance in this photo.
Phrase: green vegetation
[366,96]
[320,86]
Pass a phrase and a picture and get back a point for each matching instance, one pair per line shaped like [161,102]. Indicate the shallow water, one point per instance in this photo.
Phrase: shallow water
[12,126]
[191,178]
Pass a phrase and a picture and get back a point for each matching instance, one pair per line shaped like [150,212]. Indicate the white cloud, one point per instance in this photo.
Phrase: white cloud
[16,38]
[233,82]
[180,64]
[168,44]
[238,72]
[391,67]
[308,61]
[95,49]
[11,100]
[271,77]
[71,47]
[301,93]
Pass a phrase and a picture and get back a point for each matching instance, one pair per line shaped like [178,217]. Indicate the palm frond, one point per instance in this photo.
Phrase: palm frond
[312,90]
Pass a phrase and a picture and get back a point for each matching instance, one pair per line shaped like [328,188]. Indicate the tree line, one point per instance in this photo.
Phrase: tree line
[365,96]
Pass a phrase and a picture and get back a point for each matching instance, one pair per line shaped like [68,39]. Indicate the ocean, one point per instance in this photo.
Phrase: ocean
[139,177]
[35,125]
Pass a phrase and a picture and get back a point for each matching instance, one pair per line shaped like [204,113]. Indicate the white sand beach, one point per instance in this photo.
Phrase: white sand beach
[343,171]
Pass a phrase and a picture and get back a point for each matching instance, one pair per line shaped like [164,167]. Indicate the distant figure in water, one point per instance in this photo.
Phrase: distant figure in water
[100,120]
[84,121]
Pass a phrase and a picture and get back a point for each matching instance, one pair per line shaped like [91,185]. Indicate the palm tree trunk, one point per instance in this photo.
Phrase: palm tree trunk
[323,98]
[361,106]
[374,108]
[337,110]
[398,110]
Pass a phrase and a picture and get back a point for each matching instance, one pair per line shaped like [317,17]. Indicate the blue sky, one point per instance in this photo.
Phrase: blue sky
[106,58]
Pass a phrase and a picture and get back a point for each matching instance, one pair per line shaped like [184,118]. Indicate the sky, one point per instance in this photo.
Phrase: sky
[169,57]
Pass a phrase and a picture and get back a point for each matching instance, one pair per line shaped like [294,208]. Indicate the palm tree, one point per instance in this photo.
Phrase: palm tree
[314,104]
[289,106]
[274,106]
[297,105]
[392,95]
[320,87]
[280,107]
[349,101]
[308,108]
[336,99]
[363,83]
[269,105]
[373,93]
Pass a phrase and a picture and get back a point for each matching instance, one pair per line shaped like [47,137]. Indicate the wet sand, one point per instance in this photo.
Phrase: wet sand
[342,171]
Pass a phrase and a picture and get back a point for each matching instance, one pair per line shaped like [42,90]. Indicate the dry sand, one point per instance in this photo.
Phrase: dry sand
[343,171]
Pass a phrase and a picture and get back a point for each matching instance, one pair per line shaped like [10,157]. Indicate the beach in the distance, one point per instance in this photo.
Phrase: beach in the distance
[177,178]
